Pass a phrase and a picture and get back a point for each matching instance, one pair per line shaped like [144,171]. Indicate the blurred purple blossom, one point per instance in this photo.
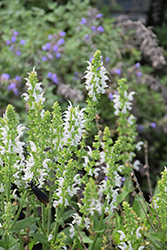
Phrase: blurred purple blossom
[86,37]
[93,28]
[100,28]
[50,56]
[49,74]
[50,37]
[22,41]
[83,21]
[55,48]
[107,59]
[5,76]
[60,41]
[54,78]
[18,78]
[62,33]
[137,65]
[117,71]
[153,124]
[58,55]
[106,178]
[139,74]
[140,127]
[18,53]
[15,33]
[46,46]
[8,42]
[99,15]
[44,58]
[13,39]
[11,86]
[110,96]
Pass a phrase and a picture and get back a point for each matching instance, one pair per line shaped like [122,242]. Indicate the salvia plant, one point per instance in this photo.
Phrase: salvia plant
[60,192]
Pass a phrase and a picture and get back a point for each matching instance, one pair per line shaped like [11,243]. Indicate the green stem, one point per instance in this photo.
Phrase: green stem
[49,212]
[100,222]
[19,211]
[56,226]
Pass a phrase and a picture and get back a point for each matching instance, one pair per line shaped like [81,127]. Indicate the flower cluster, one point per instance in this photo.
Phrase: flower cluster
[96,78]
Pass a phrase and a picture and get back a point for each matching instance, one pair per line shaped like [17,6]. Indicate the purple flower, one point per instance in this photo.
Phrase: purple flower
[50,56]
[100,28]
[137,65]
[60,41]
[99,15]
[110,96]
[44,58]
[58,55]
[83,21]
[46,46]
[55,48]
[117,71]
[11,86]
[106,178]
[13,39]
[153,124]
[62,33]
[54,78]
[18,78]
[140,127]
[15,33]
[18,53]
[107,59]
[86,37]
[93,28]
[75,78]
[50,37]
[8,42]
[15,90]
[139,74]
[22,41]
[5,76]
[49,74]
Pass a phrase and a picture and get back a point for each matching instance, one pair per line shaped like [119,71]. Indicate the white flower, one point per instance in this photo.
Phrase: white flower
[2,188]
[136,165]
[138,235]
[140,248]
[96,172]
[122,246]
[74,123]
[87,223]
[95,84]
[50,237]
[138,145]
[33,146]
[76,219]
[71,230]
[122,235]
[130,96]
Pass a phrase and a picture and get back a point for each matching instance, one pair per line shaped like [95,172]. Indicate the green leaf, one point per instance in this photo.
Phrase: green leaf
[67,214]
[85,238]
[41,238]
[138,209]
[122,196]
[25,223]
[3,244]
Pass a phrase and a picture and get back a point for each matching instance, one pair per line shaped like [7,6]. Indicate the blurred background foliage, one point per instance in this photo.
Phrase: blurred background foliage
[57,37]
